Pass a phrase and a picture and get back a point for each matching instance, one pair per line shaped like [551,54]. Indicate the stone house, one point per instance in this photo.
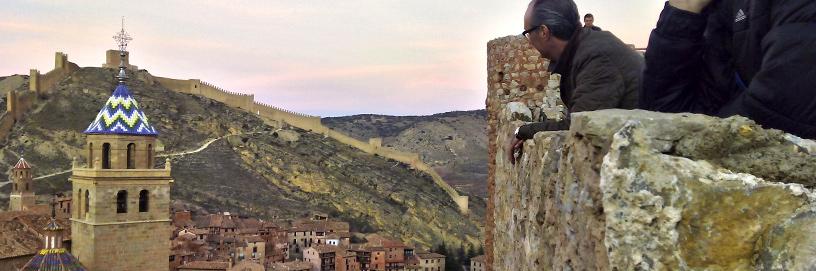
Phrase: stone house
[187,247]
[305,233]
[429,261]
[323,257]
[346,260]
[377,257]
[253,250]
[478,263]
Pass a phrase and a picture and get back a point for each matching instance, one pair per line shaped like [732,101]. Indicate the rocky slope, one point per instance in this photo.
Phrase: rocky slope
[13,82]
[454,143]
[637,190]
[254,169]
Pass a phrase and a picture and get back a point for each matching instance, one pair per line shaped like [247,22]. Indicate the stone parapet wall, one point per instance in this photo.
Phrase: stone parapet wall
[515,73]
[234,99]
[300,120]
[639,190]
[178,85]
[45,83]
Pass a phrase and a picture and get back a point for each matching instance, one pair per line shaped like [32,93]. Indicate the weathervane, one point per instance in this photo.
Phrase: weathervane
[122,38]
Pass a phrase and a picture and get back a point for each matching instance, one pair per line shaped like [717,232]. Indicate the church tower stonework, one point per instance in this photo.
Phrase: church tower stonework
[22,188]
[121,214]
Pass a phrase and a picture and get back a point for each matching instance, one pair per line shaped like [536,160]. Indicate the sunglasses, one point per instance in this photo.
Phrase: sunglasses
[528,31]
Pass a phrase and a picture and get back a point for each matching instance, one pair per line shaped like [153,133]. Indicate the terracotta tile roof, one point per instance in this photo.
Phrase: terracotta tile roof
[429,255]
[270,224]
[249,223]
[373,247]
[21,232]
[338,235]
[202,265]
[253,239]
[290,266]
[215,221]
[186,236]
[199,231]
[328,249]
[43,209]
[392,244]
[22,164]
[322,226]
[376,240]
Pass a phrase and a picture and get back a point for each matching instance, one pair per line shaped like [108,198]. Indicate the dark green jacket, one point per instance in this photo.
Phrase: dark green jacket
[598,71]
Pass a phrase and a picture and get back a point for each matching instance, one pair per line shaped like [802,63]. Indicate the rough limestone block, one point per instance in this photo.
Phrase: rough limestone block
[668,212]
[638,190]
[288,135]
[517,111]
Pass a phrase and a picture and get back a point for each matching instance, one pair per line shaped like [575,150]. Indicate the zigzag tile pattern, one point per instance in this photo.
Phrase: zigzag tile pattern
[121,115]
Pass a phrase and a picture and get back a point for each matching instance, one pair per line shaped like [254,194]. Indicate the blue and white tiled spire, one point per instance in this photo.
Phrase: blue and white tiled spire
[121,113]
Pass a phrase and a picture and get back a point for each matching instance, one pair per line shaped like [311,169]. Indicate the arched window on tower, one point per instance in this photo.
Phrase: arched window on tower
[121,202]
[79,204]
[26,187]
[106,156]
[150,156]
[143,201]
[131,156]
[15,187]
[87,202]
[90,155]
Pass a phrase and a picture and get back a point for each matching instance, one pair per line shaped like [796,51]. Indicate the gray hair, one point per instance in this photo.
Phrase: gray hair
[560,16]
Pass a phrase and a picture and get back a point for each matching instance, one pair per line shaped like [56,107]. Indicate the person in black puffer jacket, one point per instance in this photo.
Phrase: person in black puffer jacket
[754,58]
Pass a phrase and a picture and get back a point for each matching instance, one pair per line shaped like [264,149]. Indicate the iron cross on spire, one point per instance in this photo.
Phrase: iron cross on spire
[122,38]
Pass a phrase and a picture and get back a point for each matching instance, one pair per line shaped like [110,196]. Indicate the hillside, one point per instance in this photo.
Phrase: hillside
[259,170]
[454,143]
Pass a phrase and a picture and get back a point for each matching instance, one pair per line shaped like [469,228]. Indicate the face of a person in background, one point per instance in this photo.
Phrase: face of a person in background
[588,21]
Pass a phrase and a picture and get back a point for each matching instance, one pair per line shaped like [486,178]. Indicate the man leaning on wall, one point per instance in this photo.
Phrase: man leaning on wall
[753,58]
[598,71]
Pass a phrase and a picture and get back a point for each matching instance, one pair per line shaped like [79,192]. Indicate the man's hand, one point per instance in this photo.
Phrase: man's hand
[514,144]
[695,6]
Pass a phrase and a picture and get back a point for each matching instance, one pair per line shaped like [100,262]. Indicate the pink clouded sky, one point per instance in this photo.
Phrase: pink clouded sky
[328,58]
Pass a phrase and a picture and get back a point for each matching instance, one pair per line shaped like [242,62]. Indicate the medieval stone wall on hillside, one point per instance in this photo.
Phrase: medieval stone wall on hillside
[307,122]
[41,84]
[18,103]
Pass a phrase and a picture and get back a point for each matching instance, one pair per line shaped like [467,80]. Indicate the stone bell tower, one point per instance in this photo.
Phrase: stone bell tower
[121,218]
[22,190]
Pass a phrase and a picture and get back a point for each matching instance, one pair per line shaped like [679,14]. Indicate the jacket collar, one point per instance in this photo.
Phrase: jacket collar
[564,64]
